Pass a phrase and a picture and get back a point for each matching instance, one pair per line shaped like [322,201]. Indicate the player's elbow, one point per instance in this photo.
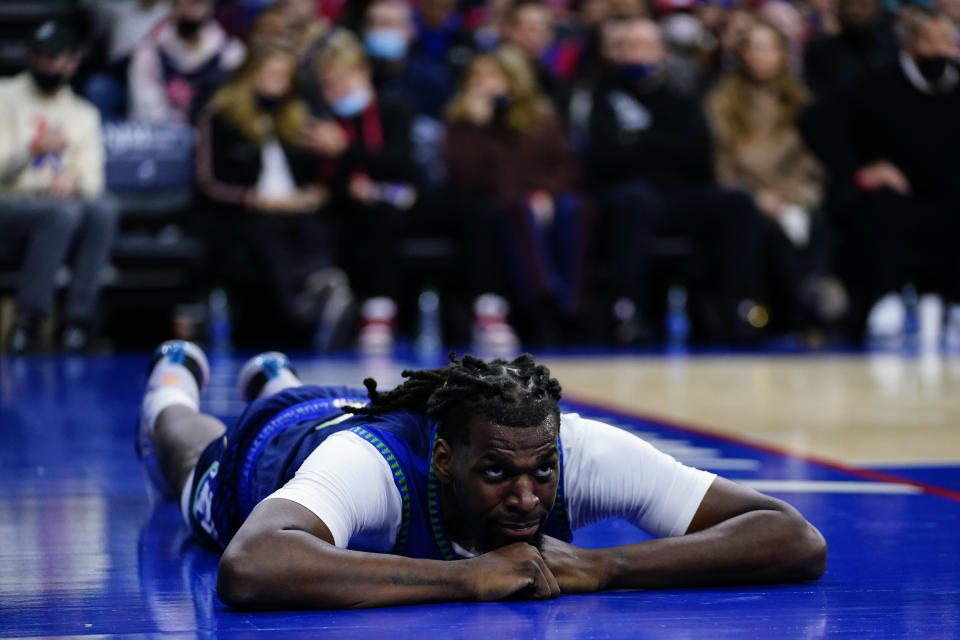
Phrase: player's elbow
[238,584]
[809,551]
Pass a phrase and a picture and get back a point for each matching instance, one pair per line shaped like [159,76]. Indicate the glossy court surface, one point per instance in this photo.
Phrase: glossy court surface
[869,452]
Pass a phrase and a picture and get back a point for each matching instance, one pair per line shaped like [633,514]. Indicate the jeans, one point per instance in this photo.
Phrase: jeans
[49,227]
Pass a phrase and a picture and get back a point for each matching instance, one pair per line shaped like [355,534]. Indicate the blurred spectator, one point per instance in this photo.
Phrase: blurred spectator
[52,189]
[180,64]
[505,145]
[753,113]
[529,26]
[821,17]
[263,183]
[835,64]
[237,17]
[367,162]
[789,22]
[489,23]
[422,84]
[891,152]
[951,8]
[126,23]
[689,46]
[650,160]
[442,35]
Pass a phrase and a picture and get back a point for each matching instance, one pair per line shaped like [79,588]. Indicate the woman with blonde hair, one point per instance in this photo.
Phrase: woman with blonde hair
[506,146]
[753,112]
[261,183]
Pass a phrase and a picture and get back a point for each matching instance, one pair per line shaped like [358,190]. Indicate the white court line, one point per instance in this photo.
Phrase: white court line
[906,464]
[822,486]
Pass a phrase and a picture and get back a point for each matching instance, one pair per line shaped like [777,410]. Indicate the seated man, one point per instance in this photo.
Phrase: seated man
[649,162]
[322,501]
[52,189]
[180,64]
[890,149]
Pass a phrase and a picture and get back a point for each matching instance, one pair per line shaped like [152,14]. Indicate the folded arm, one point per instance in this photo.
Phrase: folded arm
[738,536]
[283,557]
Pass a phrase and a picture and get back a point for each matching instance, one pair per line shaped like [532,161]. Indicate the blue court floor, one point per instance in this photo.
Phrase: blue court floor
[83,552]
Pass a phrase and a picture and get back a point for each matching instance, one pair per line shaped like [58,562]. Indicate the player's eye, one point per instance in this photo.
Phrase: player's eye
[545,470]
[493,473]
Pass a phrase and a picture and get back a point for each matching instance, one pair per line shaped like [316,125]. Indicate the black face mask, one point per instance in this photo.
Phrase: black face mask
[932,68]
[501,105]
[188,29]
[48,83]
[268,104]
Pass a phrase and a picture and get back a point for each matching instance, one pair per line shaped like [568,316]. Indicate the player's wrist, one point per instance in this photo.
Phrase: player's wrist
[606,566]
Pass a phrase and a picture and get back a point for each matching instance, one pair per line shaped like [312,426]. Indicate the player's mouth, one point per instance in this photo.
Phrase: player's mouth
[519,530]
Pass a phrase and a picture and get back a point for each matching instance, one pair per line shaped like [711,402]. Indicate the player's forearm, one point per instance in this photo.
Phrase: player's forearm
[757,547]
[292,569]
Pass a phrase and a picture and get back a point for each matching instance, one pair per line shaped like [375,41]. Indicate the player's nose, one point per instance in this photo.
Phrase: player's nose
[522,497]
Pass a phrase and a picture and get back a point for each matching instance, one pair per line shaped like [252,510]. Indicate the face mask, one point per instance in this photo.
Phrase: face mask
[637,71]
[501,105]
[386,44]
[268,104]
[352,104]
[48,83]
[188,29]
[932,68]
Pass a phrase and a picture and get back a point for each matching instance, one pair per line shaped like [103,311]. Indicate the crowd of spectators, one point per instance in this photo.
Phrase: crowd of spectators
[791,163]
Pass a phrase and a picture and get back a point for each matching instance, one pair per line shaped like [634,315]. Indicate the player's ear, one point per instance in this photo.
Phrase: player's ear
[442,460]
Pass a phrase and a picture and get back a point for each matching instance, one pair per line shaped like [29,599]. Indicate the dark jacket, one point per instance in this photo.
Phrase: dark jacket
[655,135]
[887,118]
[229,163]
[380,147]
[492,160]
[834,65]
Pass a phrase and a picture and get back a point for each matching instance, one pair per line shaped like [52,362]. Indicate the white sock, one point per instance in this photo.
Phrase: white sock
[171,374]
[169,383]
[162,397]
[284,380]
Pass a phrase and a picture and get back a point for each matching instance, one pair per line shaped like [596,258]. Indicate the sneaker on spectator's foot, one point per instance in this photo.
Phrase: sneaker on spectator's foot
[376,333]
[265,374]
[24,336]
[75,338]
[493,337]
[177,374]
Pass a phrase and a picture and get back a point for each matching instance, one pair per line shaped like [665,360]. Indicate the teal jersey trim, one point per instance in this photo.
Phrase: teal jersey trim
[399,479]
[433,512]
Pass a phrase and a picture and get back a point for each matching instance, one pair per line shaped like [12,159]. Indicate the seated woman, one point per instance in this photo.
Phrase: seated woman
[506,146]
[263,188]
[759,149]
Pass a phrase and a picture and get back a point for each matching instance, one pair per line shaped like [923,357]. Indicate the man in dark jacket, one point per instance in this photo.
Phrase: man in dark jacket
[834,64]
[891,151]
[649,160]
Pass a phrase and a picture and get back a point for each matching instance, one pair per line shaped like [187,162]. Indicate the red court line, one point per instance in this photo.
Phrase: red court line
[700,430]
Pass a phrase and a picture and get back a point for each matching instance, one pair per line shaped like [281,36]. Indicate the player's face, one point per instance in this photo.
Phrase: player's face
[504,481]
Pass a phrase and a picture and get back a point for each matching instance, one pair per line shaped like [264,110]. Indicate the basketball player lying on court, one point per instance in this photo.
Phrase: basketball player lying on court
[463,483]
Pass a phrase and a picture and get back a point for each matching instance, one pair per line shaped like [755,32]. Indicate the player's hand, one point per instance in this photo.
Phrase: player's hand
[514,570]
[577,570]
[880,174]
[62,186]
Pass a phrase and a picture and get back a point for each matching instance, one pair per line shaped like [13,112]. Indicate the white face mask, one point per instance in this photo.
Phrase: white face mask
[353,103]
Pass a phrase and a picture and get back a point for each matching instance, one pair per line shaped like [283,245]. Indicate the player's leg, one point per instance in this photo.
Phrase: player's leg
[172,432]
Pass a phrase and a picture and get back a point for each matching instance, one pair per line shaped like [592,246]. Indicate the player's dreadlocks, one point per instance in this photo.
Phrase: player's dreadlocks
[519,393]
